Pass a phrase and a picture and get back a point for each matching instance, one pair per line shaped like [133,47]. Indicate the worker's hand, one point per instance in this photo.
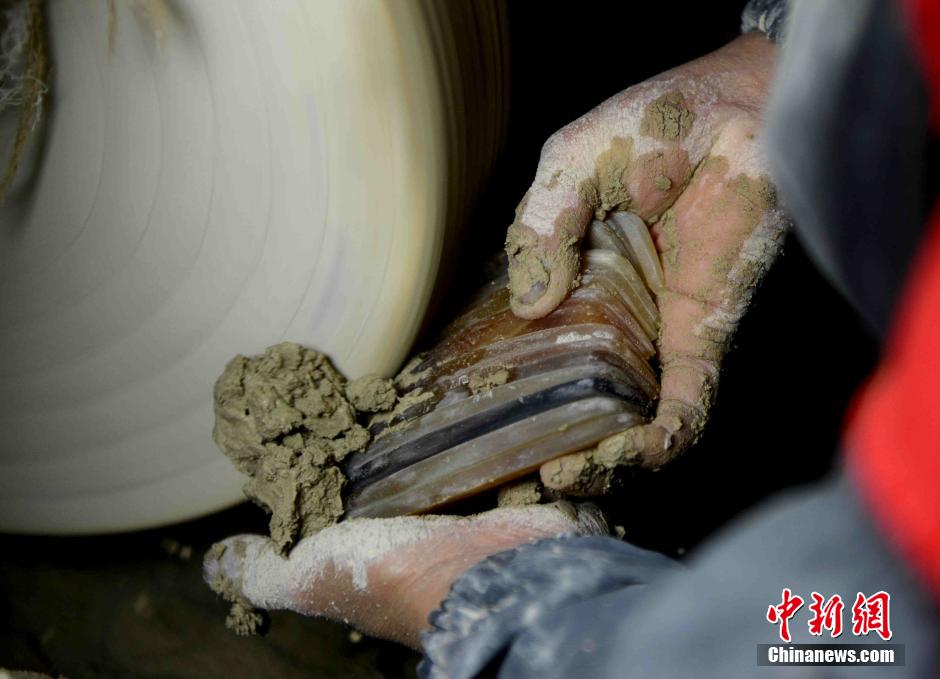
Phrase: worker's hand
[384,576]
[680,151]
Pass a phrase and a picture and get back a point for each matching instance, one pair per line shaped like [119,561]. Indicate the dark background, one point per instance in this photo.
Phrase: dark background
[800,352]
[128,606]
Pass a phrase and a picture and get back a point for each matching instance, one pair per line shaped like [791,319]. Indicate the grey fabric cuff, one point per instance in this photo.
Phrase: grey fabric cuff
[766,16]
[506,594]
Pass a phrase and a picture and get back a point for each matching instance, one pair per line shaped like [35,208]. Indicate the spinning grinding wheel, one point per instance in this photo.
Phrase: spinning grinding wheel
[212,177]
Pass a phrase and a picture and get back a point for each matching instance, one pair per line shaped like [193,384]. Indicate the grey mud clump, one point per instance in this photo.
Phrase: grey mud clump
[286,419]
[521,493]
[480,383]
[242,618]
[668,118]
[372,393]
[283,418]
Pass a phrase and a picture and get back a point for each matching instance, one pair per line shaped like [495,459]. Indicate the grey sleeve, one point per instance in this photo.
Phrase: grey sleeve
[501,598]
[597,607]
[766,16]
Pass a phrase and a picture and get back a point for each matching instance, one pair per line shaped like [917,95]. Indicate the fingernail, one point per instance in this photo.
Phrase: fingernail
[210,563]
[534,294]
[222,569]
[221,566]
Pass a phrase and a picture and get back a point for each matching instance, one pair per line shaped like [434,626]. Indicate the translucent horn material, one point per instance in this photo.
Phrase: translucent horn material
[499,395]
[628,282]
[640,248]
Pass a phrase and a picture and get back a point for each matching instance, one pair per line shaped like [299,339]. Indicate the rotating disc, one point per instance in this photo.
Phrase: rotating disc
[211,177]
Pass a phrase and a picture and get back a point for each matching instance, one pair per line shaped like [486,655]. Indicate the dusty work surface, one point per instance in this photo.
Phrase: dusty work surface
[136,606]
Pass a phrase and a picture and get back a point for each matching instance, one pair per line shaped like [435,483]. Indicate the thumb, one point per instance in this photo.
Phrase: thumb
[542,242]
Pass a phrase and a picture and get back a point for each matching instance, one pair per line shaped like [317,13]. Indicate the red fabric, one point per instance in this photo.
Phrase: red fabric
[894,429]
[923,17]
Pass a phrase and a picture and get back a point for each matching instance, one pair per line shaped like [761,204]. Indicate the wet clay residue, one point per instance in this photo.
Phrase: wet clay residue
[608,189]
[411,405]
[670,233]
[667,118]
[483,382]
[579,474]
[284,420]
[759,194]
[242,618]
[372,394]
[532,264]
[410,376]
[520,493]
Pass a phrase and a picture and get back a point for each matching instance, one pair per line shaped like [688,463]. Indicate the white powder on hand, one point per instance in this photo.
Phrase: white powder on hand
[267,580]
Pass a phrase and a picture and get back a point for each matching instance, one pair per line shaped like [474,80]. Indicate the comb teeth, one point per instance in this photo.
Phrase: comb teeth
[501,395]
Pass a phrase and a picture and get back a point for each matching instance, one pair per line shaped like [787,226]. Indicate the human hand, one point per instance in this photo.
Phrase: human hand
[681,152]
[383,576]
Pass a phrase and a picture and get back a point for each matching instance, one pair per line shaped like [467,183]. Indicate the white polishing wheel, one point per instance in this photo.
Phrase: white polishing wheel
[211,177]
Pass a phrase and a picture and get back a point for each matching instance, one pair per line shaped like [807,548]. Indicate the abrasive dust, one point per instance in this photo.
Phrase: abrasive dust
[253,574]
